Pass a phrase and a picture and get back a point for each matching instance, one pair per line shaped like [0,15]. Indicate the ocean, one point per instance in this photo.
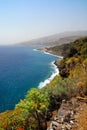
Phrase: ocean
[22,68]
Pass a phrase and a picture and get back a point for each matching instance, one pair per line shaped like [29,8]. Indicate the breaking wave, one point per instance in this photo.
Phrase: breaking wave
[47,81]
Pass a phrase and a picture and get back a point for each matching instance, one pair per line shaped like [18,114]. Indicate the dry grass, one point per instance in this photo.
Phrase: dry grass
[82,119]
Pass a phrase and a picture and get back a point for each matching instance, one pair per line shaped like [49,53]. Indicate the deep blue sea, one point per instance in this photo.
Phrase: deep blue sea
[21,68]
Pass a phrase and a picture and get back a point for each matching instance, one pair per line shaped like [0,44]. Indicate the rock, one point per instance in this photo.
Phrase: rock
[67,117]
[55,123]
[60,120]
[72,112]
[54,127]
[63,127]
[71,122]
[68,126]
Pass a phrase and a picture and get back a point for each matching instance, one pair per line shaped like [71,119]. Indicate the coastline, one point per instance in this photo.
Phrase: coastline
[48,80]
[53,64]
[44,50]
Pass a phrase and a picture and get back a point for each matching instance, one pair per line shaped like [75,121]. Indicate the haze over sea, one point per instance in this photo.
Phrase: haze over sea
[21,68]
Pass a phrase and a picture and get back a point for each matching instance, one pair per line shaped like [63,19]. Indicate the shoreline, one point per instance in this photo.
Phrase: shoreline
[44,50]
[48,80]
[53,64]
[49,53]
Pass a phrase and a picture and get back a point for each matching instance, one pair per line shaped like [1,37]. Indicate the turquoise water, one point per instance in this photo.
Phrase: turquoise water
[21,68]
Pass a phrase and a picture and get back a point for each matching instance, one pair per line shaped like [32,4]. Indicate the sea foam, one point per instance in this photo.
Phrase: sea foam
[47,81]
[54,73]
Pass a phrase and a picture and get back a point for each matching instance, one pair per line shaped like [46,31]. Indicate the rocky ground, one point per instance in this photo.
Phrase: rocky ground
[67,117]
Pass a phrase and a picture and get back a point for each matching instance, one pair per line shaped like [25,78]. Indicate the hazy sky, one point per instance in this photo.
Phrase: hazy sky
[22,20]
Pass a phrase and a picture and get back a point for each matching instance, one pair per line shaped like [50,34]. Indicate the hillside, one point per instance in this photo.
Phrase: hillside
[73,69]
[56,39]
[62,103]
[77,50]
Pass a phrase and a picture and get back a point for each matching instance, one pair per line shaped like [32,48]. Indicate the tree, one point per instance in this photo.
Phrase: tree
[35,104]
[71,52]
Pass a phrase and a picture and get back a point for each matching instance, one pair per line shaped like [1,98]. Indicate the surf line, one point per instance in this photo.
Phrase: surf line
[54,73]
[47,81]
[55,69]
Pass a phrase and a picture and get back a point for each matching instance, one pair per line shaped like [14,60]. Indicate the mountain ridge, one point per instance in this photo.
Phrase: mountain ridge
[56,39]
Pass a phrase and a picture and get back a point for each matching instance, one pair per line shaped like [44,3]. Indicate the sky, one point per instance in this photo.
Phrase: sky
[23,20]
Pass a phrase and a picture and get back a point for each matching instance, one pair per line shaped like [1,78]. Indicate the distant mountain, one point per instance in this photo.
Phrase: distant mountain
[56,39]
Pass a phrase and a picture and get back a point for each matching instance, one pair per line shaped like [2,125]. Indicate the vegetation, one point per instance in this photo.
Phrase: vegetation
[35,110]
[75,55]
[35,107]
